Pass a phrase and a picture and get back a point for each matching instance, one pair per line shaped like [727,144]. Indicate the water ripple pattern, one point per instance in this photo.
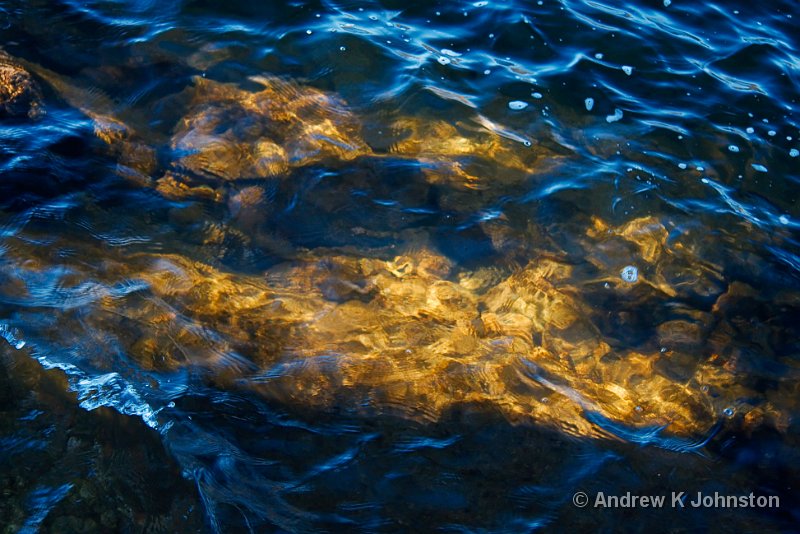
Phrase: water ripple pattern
[381,265]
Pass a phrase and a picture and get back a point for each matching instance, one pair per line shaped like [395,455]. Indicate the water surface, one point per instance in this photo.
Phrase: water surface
[399,266]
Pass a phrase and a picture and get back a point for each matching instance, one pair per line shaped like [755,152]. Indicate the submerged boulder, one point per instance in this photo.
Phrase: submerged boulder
[229,133]
[408,335]
[467,155]
[20,95]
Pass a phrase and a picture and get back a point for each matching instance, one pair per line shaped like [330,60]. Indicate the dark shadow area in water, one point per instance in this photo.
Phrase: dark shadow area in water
[65,469]
[468,470]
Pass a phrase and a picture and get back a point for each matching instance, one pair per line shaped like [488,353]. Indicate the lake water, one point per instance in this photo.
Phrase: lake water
[400,266]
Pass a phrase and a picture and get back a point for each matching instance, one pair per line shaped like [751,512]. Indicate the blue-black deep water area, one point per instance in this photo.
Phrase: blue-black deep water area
[399,266]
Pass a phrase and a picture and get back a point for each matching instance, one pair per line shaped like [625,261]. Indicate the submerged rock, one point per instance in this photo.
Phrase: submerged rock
[225,134]
[66,469]
[407,335]
[459,154]
[20,95]
[661,267]
[136,157]
[229,133]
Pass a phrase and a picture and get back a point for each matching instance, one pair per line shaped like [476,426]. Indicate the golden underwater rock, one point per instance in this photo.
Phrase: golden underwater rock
[398,335]
[409,335]
[557,317]
[458,154]
[230,133]
[405,339]
[639,242]
[663,266]
[227,133]
[20,95]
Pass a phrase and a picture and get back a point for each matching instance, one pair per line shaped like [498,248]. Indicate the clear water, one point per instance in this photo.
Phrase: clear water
[399,266]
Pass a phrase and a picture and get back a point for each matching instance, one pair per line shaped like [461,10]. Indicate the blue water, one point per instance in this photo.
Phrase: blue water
[428,323]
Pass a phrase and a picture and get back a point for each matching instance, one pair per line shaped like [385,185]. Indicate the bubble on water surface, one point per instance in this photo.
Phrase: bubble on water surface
[728,412]
[682,165]
[667,3]
[794,152]
[443,60]
[750,130]
[733,148]
[783,219]
[759,168]
[629,274]
[517,105]
[627,69]
[589,104]
[537,95]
